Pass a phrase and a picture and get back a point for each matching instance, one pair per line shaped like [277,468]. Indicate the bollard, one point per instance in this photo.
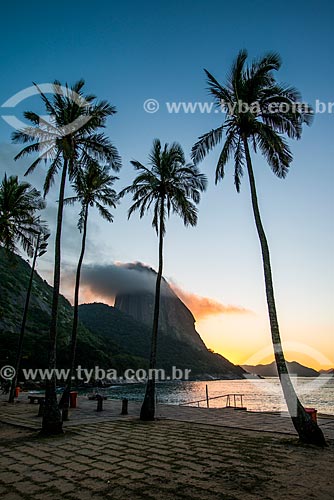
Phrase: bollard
[64,414]
[73,399]
[313,413]
[99,400]
[41,404]
[124,406]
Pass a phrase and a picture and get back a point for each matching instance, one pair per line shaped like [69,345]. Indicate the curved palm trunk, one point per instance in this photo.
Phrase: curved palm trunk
[52,421]
[308,431]
[23,326]
[64,403]
[147,411]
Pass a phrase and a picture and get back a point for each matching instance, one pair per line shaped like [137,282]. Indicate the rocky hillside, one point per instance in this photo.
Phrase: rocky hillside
[109,337]
[174,317]
[135,337]
[93,349]
[270,370]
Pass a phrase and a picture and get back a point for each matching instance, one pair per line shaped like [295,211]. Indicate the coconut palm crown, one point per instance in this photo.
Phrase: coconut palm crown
[259,110]
[19,219]
[168,185]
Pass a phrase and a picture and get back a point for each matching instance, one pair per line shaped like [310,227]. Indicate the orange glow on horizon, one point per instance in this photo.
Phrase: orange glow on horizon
[237,333]
[248,341]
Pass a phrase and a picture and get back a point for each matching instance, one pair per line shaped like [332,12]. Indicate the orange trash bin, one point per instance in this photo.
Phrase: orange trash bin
[313,413]
[73,399]
[17,392]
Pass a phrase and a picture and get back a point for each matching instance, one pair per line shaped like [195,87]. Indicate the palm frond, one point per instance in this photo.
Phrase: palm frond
[105,214]
[238,163]
[275,149]
[206,143]
[225,155]
[220,93]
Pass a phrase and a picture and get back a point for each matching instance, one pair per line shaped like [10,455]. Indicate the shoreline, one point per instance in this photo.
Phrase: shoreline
[178,401]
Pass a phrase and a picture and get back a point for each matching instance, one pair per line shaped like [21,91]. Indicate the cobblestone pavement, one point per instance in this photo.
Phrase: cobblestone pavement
[188,453]
[25,414]
[161,460]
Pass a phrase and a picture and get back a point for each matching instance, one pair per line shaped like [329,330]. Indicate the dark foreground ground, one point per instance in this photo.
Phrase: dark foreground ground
[162,460]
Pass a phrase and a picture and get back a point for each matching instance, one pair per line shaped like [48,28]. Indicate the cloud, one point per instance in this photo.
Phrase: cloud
[202,307]
[119,278]
[101,283]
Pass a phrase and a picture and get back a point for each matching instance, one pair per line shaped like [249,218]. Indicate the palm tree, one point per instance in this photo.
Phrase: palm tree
[19,223]
[93,187]
[69,137]
[170,184]
[40,249]
[259,111]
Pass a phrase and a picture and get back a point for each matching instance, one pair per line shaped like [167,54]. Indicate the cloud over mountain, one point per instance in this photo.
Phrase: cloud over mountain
[104,282]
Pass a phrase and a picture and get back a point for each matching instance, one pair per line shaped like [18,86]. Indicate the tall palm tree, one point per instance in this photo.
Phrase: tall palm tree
[93,187]
[169,184]
[70,135]
[40,249]
[259,111]
[19,219]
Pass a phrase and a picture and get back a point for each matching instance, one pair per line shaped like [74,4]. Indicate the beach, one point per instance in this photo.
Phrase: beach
[187,454]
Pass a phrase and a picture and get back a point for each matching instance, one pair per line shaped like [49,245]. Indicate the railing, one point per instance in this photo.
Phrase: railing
[230,398]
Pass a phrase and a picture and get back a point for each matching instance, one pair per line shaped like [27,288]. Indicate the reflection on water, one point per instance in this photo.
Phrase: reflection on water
[259,395]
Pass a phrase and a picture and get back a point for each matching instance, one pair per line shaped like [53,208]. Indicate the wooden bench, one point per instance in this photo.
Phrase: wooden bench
[96,397]
[40,400]
[36,397]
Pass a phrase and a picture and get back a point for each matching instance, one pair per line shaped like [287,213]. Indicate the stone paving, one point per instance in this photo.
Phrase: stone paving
[161,460]
[188,453]
[26,415]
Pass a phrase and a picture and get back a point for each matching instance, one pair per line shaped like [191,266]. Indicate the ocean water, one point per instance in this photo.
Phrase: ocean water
[258,394]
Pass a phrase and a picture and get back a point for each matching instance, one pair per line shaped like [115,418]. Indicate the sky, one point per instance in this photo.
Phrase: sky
[130,52]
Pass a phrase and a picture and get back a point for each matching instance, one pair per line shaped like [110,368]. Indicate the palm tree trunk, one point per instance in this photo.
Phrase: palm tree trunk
[308,431]
[66,395]
[52,421]
[23,326]
[147,411]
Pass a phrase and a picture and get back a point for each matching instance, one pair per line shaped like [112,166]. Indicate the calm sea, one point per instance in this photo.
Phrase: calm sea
[258,395]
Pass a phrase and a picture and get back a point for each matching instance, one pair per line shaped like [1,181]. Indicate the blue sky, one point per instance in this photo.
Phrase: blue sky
[132,51]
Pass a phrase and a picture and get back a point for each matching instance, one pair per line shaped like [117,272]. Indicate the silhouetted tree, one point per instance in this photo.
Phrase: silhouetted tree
[93,188]
[259,111]
[40,249]
[70,136]
[169,184]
